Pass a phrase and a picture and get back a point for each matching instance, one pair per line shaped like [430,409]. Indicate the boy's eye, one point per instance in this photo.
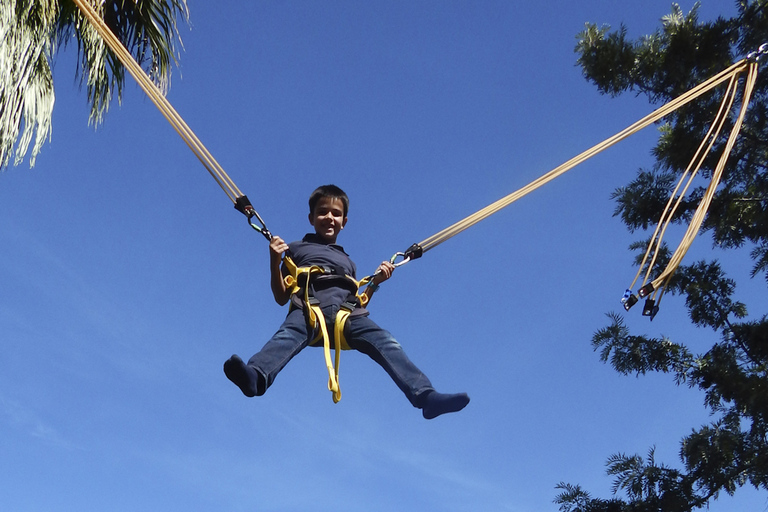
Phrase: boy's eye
[322,212]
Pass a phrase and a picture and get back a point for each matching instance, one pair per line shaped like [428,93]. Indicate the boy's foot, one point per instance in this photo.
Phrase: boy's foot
[244,376]
[436,404]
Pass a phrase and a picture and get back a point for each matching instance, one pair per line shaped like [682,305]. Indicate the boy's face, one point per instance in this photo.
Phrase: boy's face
[328,218]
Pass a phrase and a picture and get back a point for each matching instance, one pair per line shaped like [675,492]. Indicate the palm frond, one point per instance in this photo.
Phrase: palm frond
[149,31]
[33,30]
[26,83]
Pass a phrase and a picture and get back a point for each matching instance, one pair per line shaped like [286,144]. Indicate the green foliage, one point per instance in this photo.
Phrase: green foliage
[733,373]
[638,354]
[26,82]
[33,31]
[648,486]
[681,54]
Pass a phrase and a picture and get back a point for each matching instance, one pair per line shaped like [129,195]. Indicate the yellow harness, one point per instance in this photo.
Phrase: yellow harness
[316,318]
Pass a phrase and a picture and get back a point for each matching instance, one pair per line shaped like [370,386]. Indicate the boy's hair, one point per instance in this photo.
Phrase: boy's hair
[331,191]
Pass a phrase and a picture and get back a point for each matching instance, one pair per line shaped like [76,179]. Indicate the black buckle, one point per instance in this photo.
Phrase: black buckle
[645,290]
[243,205]
[349,306]
[350,303]
[650,309]
[413,252]
[631,301]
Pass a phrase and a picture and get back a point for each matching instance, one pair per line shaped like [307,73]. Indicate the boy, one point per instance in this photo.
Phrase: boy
[328,208]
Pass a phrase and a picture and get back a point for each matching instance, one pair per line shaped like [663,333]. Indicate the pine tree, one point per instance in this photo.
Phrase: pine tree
[732,451]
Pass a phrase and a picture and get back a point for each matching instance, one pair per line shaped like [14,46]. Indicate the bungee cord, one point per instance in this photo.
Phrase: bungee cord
[687,177]
[154,93]
[451,231]
[652,289]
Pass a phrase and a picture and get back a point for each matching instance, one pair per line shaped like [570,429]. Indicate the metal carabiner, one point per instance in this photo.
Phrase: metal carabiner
[251,213]
[393,259]
[264,231]
[243,205]
[755,56]
[413,252]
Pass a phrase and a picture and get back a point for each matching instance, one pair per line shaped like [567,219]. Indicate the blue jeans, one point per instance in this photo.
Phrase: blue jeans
[361,333]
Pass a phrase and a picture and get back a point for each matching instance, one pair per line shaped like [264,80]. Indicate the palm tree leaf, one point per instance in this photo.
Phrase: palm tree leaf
[34,30]
[26,82]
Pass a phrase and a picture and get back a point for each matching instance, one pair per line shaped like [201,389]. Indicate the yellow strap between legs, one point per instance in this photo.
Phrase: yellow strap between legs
[316,319]
[341,344]
[333,373]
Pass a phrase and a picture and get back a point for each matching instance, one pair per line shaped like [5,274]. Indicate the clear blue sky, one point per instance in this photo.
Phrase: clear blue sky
[128,278]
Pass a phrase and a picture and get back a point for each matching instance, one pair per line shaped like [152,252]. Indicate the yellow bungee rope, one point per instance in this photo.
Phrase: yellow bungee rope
[240,201]
[653,290]
[731,75]
[154,93]
[458,227]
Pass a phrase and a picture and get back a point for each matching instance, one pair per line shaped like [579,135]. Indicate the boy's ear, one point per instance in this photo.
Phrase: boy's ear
[344,223]
[311,220]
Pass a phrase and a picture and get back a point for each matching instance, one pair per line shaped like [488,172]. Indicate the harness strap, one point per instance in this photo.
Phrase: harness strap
[333,371]
[316,318]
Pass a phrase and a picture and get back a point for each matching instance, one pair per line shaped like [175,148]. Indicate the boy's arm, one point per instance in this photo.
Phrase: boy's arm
[382,273]
[276,249]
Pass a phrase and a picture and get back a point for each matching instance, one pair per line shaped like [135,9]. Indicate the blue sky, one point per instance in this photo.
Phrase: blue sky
[128,278]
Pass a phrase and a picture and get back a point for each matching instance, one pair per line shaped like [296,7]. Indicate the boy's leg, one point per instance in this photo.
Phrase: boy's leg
[257,376]
[365,336]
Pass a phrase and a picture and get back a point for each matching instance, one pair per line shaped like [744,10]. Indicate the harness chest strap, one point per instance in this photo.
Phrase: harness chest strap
[315,317]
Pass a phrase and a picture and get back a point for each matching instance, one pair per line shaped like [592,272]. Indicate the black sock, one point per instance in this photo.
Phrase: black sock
[436,404]
[245,377]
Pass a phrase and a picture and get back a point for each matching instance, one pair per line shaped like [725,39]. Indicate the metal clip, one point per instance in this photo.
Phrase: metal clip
[645,290]
[261,229]
[755,56]
[243,205]
[650,309]
[631,301]
[393,259]
[413,252]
